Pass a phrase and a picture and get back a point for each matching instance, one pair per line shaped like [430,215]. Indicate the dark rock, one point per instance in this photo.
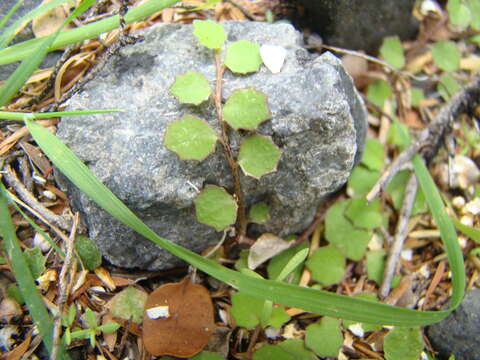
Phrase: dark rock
[458,333]
[319,122]
[25,34]
[359,24]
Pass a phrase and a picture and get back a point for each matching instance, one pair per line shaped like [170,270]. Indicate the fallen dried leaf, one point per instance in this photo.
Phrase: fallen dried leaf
[188,328]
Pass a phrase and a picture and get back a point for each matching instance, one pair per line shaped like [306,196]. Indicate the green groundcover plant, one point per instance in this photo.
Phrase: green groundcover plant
[265,291]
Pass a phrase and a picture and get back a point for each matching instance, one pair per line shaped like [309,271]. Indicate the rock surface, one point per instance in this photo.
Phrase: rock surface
[359,24]
[319,122]
[458,333]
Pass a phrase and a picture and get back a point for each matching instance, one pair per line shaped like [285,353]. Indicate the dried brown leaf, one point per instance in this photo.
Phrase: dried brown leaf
[189,324]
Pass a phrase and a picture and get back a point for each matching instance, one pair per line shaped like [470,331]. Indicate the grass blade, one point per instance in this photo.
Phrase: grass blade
[19,116]
[471,232]
[10,13]
[28,66]
[9,33]
[316,301]
[23,276]
[20,51]
[447,231]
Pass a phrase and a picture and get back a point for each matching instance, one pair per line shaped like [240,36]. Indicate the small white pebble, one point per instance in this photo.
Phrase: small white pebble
[40,242]
[462,241]
[430,6]
[49,195]
[375,243]
[357,329]
[466,220]
[473,207]
[458,202]
[158,312]
[407,254]
[39,180]
[273,57]
[272,333]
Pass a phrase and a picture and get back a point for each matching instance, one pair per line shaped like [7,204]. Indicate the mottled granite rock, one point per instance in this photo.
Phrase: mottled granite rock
[459,333]
[319,122]
[359,24]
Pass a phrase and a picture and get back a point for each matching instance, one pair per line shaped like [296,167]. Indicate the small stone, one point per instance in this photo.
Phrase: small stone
[473,207]
[459,332]
[42,243]
[458,202]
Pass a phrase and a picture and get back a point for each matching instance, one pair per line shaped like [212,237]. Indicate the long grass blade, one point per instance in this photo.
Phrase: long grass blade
[19,116]
[9,32]
[23,276]
[10,13]
[28,66]
[447,230]
[316,301]
[20,51]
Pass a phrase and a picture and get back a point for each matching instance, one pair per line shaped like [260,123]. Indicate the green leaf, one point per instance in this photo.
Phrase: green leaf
[243,57]
[294,262]
[191,88]
[191,138]
[416,96]
[278,317]
[209,33]
[474,6]
[259,213]
[364,215]
[396,189]
[403,343]
[207,355]
[340,232]
[446,55]
[215,207]
[447,86]
[258,156]
[365,326]
[458,13]
[324,337]
[392,52]
[361,180]
[246,309]
[373,157]
[316,301]
[36,261]
[109,327]
[246,109]
[471,232]
[91,319]
[88,252]
[327,265]
[395,135]
[376,265]
[14,292]
[278,263]
[128,304]
[292,349]
[378,92]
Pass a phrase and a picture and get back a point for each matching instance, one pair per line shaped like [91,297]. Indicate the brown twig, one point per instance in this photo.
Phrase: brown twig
[400,236]
[65,280]
[431,138]
[217,98]
[13,181]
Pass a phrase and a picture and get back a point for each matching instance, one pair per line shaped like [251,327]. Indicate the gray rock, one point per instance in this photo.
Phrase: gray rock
[458,333]
[319,122]
[360,24]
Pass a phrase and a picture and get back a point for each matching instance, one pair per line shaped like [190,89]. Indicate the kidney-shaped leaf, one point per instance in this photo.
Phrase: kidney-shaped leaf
[246,109]
[128,304]
[189,324]
[243,57]
[191,138]
[258,156]
[215,207]
[191,88]
[327,265]
[209,33]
